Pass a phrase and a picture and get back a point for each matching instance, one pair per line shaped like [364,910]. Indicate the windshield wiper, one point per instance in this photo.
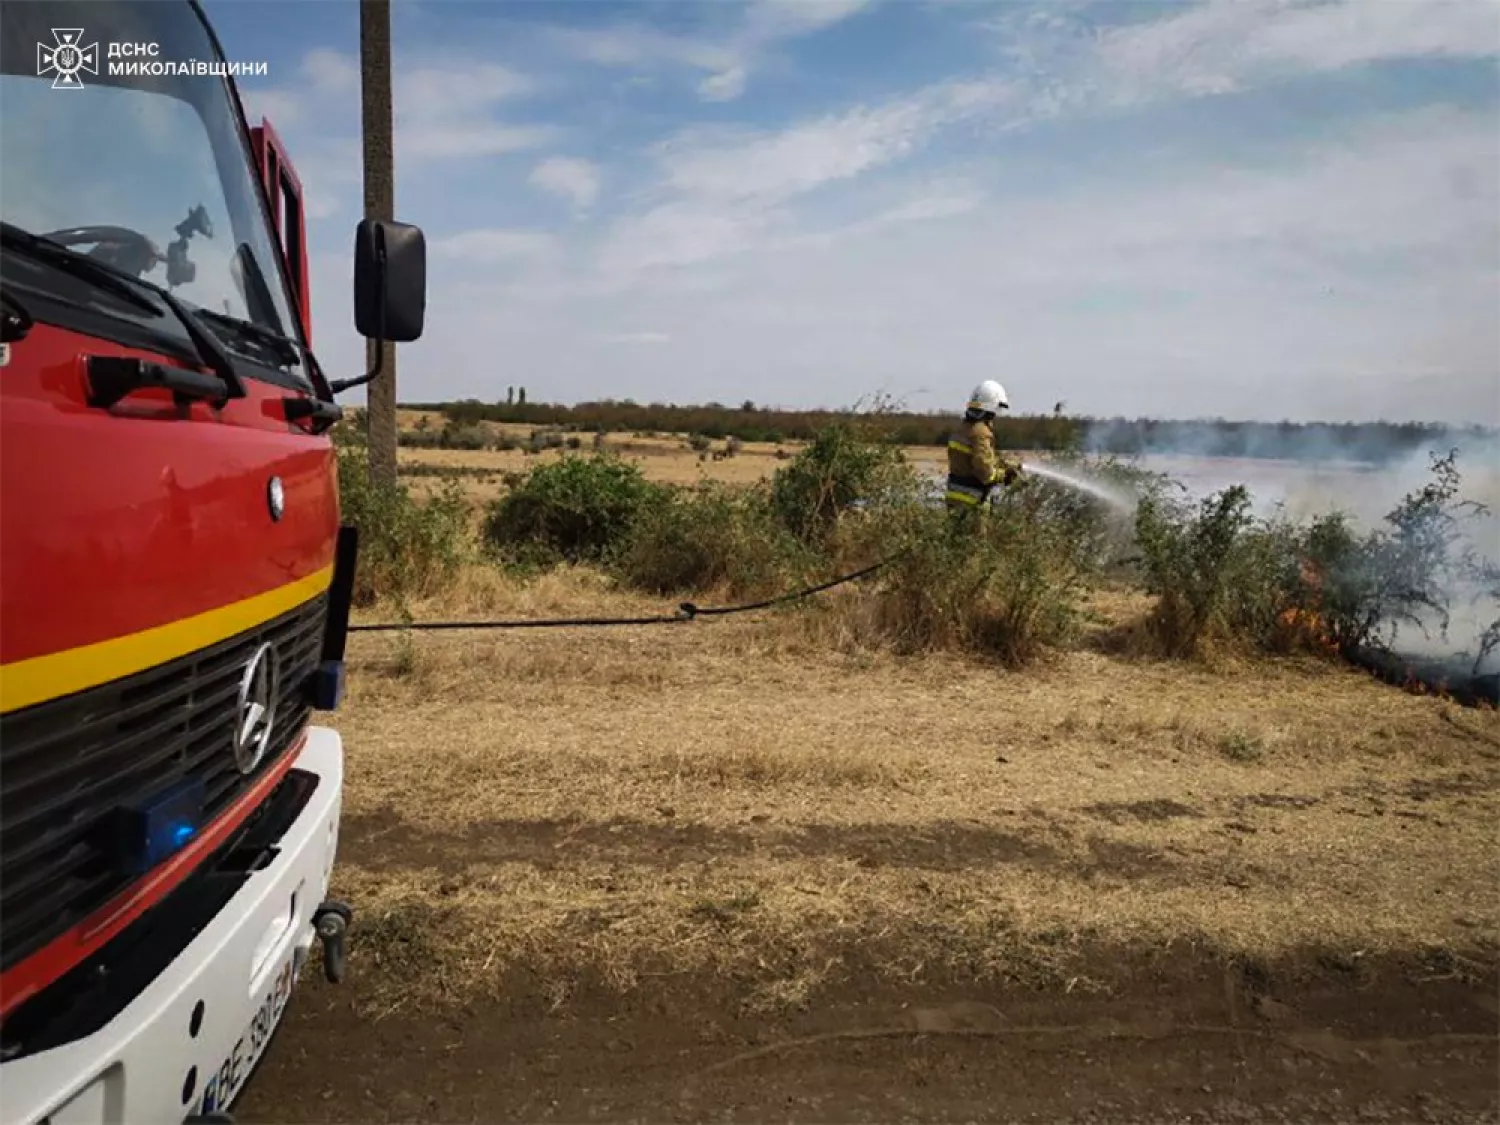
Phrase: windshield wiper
[286,350]
[78,265]
[143,294]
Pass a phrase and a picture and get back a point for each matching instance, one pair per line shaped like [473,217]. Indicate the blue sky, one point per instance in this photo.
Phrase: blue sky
[1247,208]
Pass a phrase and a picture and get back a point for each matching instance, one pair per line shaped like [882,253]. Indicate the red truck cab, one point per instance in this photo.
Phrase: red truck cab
[173,575]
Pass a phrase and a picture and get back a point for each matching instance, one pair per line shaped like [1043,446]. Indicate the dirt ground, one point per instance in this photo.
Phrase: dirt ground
[740,871]
[1178,1037]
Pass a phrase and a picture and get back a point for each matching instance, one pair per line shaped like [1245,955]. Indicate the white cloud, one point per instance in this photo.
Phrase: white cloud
[1243,37]
[638,338]
[725,86]
[1223,46]
[571,178]
[456,88]
[773,167]
[491,246]
[444,110]
[848,251]
[770,20]
[632,45]
[471,139]
[728,60]
[931,204]
[779,165]
[323,76]
[676,234]
[327,71]
[1322,284]
[281,107]
[723,192]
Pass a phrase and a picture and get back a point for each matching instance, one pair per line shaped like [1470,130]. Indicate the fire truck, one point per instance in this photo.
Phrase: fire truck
[174,579]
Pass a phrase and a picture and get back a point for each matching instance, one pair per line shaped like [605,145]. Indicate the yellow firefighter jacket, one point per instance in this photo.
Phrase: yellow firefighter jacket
[974,466]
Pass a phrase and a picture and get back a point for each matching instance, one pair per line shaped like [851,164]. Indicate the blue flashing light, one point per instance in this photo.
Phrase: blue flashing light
[146,833]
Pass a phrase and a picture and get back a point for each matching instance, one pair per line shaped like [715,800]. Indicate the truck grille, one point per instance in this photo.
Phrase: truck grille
[67,763]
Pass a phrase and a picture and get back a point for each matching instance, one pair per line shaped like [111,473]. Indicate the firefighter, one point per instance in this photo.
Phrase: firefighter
[974,465]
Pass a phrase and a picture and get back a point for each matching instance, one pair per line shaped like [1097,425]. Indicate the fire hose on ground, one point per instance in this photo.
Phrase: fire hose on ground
[686,611]
[1470,691]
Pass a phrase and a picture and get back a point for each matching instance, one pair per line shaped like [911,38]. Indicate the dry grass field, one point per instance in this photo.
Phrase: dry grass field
[722,833]
[749,869]
[664,458]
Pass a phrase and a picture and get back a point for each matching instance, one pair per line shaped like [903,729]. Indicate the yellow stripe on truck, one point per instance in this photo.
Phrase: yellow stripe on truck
[29,682]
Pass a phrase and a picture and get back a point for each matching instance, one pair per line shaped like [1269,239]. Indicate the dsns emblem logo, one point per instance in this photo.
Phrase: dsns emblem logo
[66,57]
[255,716]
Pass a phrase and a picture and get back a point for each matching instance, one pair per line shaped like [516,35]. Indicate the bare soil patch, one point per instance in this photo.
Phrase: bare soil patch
[1165,1036]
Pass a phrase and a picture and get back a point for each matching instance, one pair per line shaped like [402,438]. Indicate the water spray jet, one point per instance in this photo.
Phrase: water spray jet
[1111,498]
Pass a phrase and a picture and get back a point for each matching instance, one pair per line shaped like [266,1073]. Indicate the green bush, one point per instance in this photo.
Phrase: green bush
[407,547]
[839,468]
[1190,557]
[713,537]
[466,437]
[575,509]
[1007,585]
[1222,576]
[420,439]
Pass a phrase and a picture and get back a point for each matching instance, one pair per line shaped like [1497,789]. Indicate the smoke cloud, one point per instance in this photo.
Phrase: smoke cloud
[1312,480]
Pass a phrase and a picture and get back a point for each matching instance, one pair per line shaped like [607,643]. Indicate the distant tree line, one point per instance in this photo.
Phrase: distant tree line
[1363,441]
[747,422]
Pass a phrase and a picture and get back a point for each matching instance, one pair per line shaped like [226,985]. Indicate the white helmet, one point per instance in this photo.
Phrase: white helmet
[989,396]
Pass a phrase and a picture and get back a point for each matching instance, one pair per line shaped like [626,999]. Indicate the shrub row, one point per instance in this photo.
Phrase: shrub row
[1009,586]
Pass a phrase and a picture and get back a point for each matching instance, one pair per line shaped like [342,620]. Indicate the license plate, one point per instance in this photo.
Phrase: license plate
[226,1080]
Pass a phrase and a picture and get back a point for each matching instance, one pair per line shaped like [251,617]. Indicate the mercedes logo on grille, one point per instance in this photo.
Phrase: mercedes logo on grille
[256,714]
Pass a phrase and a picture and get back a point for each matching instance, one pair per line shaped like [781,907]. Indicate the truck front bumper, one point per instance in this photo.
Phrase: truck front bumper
[187,1044]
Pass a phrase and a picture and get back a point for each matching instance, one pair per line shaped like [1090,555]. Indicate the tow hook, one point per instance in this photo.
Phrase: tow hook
[331,923]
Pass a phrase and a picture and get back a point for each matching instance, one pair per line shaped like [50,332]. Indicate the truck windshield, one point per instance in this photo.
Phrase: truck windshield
[143,165]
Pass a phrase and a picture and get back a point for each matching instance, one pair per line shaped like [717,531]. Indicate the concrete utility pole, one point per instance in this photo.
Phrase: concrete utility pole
[380,203]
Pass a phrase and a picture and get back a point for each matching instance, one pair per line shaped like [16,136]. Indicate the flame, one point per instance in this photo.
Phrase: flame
[1304,626]
[1415,685]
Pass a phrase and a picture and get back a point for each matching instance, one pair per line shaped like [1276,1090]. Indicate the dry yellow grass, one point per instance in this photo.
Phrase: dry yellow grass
[740,799]
[666,459]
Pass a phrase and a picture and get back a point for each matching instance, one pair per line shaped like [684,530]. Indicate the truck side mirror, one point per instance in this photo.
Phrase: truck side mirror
[390,280]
